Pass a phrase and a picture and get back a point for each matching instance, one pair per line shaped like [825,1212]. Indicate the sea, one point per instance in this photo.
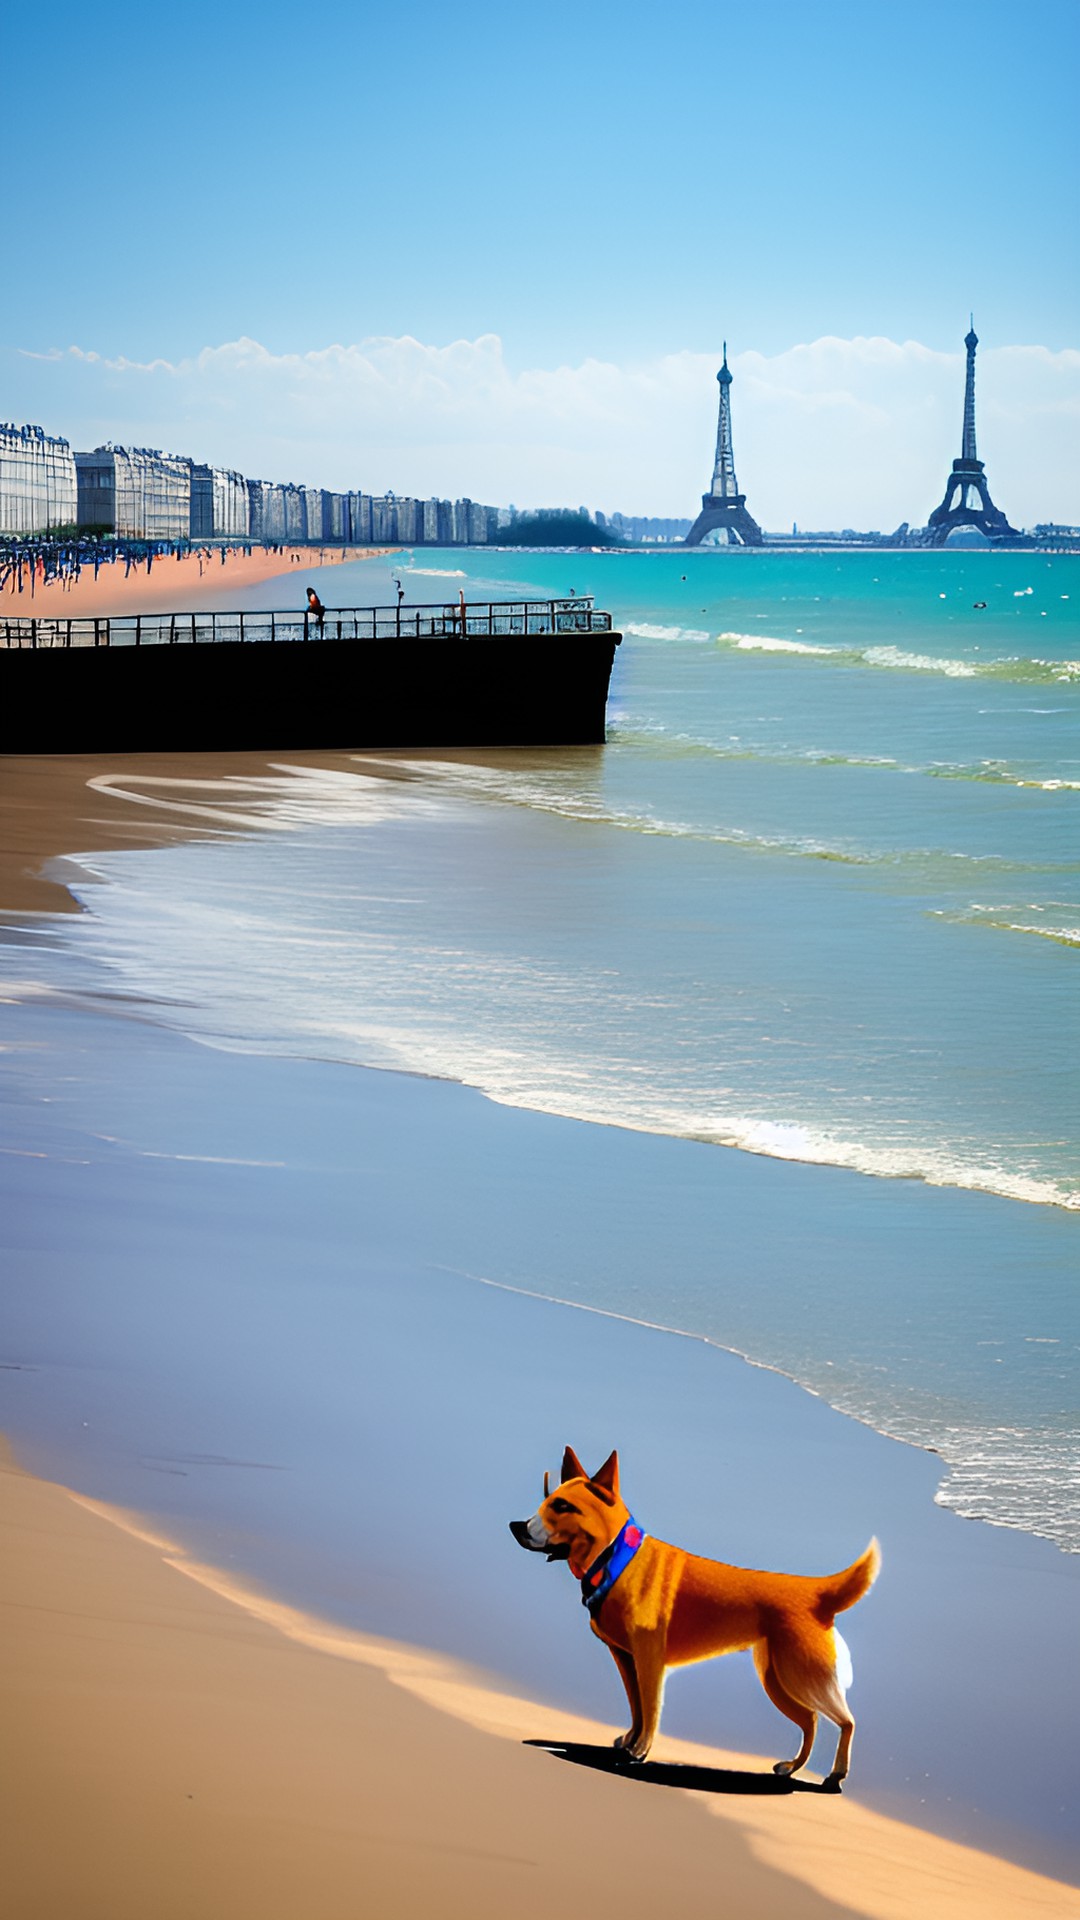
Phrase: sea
[817,899]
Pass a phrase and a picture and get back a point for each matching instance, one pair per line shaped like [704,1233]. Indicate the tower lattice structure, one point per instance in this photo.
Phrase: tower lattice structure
[723,508]
[967,501]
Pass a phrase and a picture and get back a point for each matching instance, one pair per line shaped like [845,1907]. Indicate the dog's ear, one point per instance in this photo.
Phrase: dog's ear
[606,1478]
[572,1468]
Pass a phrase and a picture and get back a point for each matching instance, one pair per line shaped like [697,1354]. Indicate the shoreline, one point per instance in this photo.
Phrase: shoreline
[282,1419]
[49,803]
[187,1084]
[157,583]
[350,1767]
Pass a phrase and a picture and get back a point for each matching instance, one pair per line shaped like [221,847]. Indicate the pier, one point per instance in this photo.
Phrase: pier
[465,673]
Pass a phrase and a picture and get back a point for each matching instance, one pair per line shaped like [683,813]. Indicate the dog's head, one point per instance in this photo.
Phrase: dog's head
[579,1519]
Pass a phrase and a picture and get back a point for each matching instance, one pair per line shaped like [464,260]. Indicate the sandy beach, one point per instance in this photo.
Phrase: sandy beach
[177,580]
[50,808]
[185,1744]
[206,1708]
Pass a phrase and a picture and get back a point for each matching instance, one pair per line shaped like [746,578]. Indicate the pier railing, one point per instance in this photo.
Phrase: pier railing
[475,619]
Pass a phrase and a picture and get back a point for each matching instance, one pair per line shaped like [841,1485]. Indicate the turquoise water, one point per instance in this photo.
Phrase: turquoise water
[818,899]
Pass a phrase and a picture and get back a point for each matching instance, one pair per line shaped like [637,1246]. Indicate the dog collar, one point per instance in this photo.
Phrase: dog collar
[598,1581]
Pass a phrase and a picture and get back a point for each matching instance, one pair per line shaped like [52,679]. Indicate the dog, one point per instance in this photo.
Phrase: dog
[656,1607]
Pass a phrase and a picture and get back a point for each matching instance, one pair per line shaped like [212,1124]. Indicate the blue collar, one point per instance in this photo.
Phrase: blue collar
[599,1579]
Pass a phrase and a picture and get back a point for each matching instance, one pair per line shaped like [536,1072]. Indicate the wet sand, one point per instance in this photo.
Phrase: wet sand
[48,809]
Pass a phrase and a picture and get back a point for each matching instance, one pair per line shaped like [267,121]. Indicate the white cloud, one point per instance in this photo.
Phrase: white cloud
[832,433]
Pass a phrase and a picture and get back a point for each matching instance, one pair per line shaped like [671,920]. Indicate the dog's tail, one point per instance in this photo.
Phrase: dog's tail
[842,1590]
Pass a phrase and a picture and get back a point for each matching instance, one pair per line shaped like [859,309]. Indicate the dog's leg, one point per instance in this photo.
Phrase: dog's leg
[805,1670]
[628,1675]
[804,1717]
[829,1700]
[846,1724]
[648,1651]
[821,1687]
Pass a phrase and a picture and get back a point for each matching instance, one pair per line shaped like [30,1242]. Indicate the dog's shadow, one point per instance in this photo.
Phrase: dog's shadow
[663,1773]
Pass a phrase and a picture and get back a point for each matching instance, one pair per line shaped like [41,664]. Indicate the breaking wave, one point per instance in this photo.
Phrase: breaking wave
[1015,667]
[542,792]
[1002,919]
[765,643]
[680,742]
[644,631]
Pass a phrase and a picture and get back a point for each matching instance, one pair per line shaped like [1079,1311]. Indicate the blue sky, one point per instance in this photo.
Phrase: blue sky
[588,183]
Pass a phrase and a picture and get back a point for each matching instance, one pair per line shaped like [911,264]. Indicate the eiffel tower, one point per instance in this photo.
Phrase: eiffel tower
[723,510]
[967,501]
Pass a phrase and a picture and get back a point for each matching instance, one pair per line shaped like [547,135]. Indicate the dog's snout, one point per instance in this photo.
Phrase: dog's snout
[531,1534]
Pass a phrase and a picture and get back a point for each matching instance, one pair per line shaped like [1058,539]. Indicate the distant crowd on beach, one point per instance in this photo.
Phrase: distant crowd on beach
[26,566]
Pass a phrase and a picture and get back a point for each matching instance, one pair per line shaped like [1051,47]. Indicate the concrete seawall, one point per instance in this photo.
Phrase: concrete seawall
[538,690]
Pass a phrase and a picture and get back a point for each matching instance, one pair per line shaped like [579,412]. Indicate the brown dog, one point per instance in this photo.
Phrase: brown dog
[657,1607]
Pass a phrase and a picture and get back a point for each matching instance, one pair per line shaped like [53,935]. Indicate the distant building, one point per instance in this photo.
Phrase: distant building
[295,512]
[230,504]
[967,505]
[640,528]
[384,518]
[724,519]
[360,505]
[141,493]
[266,512]
[138,493]
[37,481]
[256,514]
[314,528]
[335,513]
[202,502]
[409,521]
[220,504]
[1049,534]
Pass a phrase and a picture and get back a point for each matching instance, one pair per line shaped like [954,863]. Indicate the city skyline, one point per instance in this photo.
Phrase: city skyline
[888,415]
